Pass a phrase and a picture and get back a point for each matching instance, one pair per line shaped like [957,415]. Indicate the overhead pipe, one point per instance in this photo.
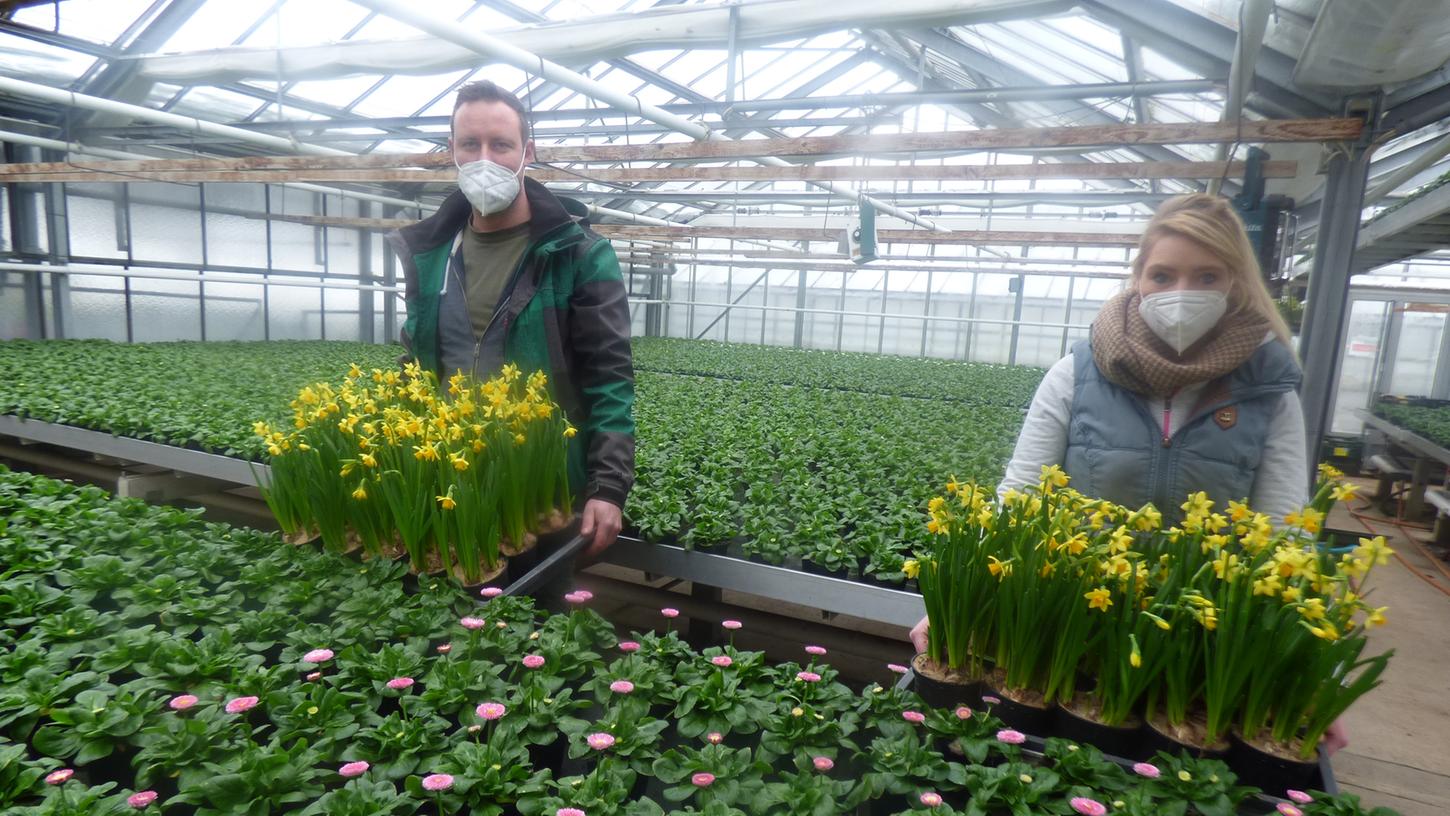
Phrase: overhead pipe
[60,96]
[525,61]
[77,147]
[1253,24]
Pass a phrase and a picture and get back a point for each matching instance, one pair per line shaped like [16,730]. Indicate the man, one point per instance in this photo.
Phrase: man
[505,272]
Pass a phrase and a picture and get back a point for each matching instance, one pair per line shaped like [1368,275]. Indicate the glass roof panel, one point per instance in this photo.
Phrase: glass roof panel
[307,22]
[214,25]
[38,62]
[402,95]
[99,21]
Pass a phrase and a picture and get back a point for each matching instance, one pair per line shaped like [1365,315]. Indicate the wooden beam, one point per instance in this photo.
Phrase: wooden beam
[1248,131]
[950,172]
[684,233]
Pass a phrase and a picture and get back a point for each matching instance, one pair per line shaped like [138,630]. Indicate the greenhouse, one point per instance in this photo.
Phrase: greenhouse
[593,407]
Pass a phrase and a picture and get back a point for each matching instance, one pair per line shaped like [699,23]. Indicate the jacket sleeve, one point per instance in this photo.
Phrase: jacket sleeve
[599,338]
[394,241]
[1281,485]
[1043,440]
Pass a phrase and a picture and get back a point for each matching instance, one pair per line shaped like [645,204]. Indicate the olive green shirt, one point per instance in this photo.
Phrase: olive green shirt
[489,259]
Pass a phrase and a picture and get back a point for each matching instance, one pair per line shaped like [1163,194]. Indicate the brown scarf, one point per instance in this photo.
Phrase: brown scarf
[1129,354]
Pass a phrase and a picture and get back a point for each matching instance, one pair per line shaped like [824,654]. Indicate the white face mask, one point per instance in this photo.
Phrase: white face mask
[1182,318]
[490,187]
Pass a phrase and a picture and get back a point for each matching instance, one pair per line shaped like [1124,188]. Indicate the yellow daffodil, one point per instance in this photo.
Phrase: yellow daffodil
[1376,617]
[1312,609]
[1374,551]
[1100,598]
[360,494]
[1052,476]
[446,502]
[368,460]
[1330,472]
[911,568]
[1344,491]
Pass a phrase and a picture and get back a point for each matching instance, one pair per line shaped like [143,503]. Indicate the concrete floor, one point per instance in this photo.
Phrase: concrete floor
[1399,734]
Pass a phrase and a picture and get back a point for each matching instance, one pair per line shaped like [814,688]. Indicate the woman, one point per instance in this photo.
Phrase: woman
[1187,382]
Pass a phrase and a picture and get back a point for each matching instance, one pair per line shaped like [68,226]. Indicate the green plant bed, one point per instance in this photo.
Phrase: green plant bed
[320,687]
[1431,420]
[971,383]
[839,478]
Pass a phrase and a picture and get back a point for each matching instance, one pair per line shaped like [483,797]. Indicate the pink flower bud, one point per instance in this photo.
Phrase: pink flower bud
[182,702]
[490,592]
[353,769]
[807,677]
[628,646]
[732,625]
[600,741]
[313,677]
[823,764]
[714,737]
[59,777]
[930,799]
[990,700]
[1147,769]
[670,612]
[437,782]
[702,780]
[963,713]
[1088,807]
[569,812]
[317,656]
[1011,737]
[816,650]
[897,667]
[723,661]
[471,623]
[1300,796]
[621,687]
[1286,809]
[400,683]
[445,648]
[584,595]
[141,799]
[575,598]
[239,704]
[533,661]
[913,717]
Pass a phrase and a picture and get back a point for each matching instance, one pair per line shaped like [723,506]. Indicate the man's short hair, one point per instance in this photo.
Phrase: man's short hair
[486,91]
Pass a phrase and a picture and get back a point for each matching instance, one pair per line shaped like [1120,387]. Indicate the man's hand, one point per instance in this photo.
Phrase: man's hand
[918,636]
[1335,737]
[602,520]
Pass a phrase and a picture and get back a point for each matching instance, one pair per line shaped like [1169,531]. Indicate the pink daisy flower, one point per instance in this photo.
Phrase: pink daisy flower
[621,687]
[59,777]
[897,667]
[313,677]
[1147,769]
[723,661]
[533,661]
[823,763]
[816,650]
[913,717]
[437,782]
[702,780]
[628,646]
[141,799]
[400,683]
[353,769]
[963,713]
[490,711]
[575,598]
[1287,809]
[670,612]
[1088,807]
[732,625]
[807,676]
[237,705]
[930,799]
[471,623]
[490,592]
[600,741]
[317,656]
[584,594]
[445,648]
[569,812]
[182,702]
[1011,736]
[714,737]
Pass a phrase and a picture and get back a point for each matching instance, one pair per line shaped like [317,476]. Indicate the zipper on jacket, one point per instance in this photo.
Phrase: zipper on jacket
[1168,418]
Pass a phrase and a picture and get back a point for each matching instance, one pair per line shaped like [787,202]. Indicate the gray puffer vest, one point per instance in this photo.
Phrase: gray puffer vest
[1116,450]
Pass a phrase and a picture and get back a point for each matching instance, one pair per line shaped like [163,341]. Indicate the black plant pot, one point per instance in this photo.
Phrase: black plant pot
[1029,719]
[550,756]
[1270,772]
[1155,739]
[889,804]
[1118,740]
[943,693]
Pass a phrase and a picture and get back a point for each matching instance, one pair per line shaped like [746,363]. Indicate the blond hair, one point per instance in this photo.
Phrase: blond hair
[1210,222]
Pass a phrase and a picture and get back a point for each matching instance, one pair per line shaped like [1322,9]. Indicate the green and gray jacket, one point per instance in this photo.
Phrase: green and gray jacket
[563,311]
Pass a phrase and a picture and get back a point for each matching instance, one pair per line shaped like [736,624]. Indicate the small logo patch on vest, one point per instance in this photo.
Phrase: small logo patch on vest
[1226,417]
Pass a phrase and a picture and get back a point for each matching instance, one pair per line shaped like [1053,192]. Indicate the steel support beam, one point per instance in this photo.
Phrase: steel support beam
[1322,336]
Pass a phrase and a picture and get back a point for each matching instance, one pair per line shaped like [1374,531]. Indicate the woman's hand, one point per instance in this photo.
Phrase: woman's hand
[918,636]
